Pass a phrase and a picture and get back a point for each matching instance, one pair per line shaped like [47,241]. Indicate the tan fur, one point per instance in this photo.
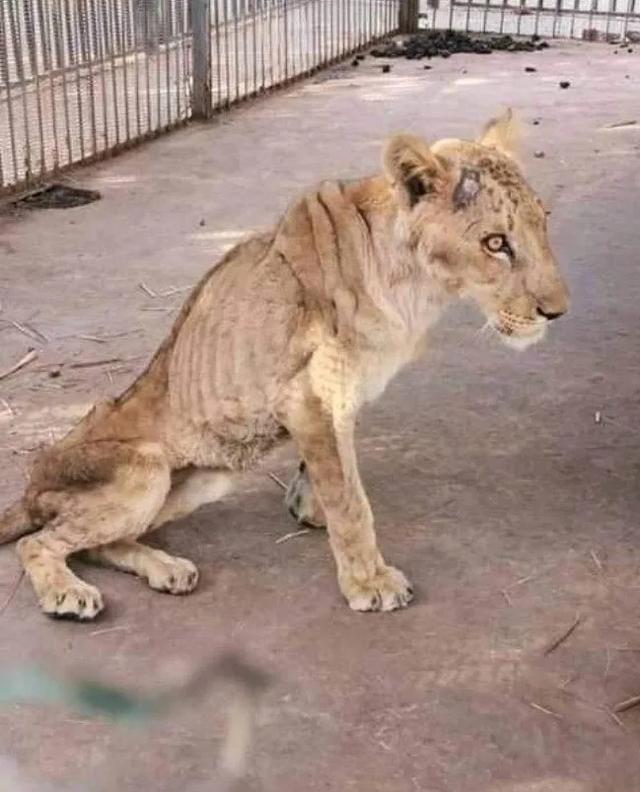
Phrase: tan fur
[288,336]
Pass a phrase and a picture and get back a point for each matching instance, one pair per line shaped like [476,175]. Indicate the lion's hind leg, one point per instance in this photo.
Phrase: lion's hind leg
[131,489]
[190,489]
[162,571]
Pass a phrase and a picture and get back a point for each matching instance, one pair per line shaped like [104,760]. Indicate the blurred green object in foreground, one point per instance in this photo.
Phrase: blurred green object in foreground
[93,698]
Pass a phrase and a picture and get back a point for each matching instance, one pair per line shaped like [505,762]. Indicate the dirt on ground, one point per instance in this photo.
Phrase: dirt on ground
[504,484]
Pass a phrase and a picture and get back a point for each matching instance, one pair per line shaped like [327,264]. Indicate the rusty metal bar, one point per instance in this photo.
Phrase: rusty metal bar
[202,106]
[408,16]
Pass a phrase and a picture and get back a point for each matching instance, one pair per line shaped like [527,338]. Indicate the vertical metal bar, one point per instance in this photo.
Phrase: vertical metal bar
[315,55]
[408,17]
[134,32]
[155,19]
[576,6]
[467,18]
[226,54]
[83,6]
[556,16]
[105,27]
[285,27]
[236,47]
[365,25]
[16,34]
[363,38]
[28,38]
[4,70]
[609,14]
[144,51]
[45,41]
[245,55]
[308,44]
[175,46]
[625,21]
[334,39]
[201,54]
[590,22]
[317,25]
[117,47]
[278,46]
[270,45]
[350,25]
[324,32]
[502,11]
[262,63]
[181,61]
[100,58]
[111,41]
[166,40]
[71,18]
[218,52]
[536,26]
[47,35]
[254,45]
[122,46]
[34,48]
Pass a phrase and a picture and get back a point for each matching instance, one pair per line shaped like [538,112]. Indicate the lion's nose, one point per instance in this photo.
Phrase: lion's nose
[550,315]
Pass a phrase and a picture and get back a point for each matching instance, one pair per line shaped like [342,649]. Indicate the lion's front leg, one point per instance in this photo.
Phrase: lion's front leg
[329,453]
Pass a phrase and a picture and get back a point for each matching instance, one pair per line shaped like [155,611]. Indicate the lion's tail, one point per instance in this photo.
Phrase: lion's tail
[15,522]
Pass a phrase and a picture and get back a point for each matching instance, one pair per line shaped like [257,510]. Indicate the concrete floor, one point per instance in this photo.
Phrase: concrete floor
[495,488]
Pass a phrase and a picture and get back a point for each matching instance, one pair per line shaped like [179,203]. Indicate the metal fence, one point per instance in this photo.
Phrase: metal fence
[582,19]
[83,78]
[80,79]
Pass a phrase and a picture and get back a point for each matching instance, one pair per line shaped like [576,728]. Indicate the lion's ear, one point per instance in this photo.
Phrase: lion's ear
[502,134]
[410,165]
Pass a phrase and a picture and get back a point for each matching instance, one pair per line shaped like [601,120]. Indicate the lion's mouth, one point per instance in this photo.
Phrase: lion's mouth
[519,332]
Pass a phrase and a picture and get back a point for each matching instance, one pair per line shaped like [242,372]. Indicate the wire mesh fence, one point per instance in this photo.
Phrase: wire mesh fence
[83,78]
[278,41]
[582,19]
[79,78]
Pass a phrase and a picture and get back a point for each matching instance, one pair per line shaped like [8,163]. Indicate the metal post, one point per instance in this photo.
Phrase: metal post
[202,100]
[408,16]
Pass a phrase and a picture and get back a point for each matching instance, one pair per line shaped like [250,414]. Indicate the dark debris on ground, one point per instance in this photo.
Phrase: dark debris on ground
[444,43]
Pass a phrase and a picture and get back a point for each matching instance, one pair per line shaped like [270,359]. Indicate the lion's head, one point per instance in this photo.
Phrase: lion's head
[469,215]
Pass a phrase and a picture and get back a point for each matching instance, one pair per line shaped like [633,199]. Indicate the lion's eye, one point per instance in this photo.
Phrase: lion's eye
[497,243]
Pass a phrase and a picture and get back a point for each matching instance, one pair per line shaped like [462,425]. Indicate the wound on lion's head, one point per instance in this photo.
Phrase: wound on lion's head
[467,189]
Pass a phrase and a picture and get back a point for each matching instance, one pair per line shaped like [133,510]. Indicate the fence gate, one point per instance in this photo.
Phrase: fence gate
[83,78]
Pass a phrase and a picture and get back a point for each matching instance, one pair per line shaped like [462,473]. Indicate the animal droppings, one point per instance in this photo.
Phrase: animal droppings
[444,43]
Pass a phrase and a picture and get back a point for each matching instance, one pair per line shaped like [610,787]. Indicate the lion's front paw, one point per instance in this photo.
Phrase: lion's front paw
[388,590]
[73,600]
